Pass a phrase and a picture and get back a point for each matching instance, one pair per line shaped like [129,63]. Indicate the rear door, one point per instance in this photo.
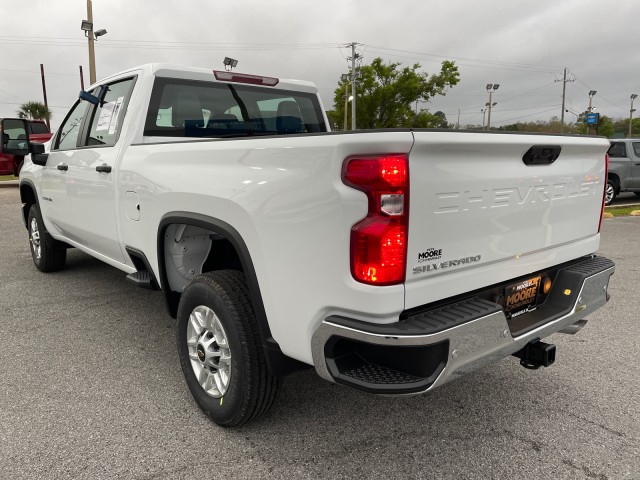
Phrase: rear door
[620,163]
[634,182]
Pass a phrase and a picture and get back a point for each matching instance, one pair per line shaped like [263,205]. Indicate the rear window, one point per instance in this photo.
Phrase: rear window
[617,150]
[37,127]
[184,108]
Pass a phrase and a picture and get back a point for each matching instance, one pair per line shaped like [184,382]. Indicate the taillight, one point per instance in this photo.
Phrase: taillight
[604,193]
[379,241]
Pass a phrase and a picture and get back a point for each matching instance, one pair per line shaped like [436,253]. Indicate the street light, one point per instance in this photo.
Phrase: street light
[484,111]
[87,27]
[347,99]
[230,63]
[633,97]
[592,93]
[491,87]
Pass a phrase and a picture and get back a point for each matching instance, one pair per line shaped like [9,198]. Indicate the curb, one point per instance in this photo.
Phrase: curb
[9,183]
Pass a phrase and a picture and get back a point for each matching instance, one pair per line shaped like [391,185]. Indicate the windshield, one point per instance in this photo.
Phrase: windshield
[183,108]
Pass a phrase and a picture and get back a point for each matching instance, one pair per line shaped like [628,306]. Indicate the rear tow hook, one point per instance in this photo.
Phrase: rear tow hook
[536,354]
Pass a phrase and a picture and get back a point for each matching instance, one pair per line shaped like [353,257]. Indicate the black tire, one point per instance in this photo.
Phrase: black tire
[610,192]
[251,389]
[637,194]
[49,255]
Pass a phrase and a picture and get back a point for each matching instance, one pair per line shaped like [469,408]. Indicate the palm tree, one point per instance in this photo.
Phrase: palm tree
[34,111]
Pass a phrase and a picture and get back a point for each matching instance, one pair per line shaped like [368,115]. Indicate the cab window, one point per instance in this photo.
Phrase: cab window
[108,116]
[69,131]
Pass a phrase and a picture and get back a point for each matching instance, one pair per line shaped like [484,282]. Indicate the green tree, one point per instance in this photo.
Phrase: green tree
[621,126]
[387,93]
[605,126]
[426,119]
[34,111]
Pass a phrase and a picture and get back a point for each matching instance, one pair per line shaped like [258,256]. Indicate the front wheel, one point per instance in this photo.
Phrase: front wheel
[610,192]
[221,351]
[48,254]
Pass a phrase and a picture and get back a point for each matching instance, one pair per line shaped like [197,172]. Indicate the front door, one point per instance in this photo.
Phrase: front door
[91,185]
[54,201]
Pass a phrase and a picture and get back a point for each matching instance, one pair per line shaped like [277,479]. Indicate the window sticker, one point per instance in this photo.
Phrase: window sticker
[105,116]
[114,117]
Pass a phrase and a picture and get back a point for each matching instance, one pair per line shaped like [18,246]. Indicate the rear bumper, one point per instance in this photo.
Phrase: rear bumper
[427,350]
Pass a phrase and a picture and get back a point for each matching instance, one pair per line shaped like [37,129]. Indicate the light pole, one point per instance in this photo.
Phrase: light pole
[87,27]
[491,87]
[592,93]
[347,98]
[488,106]
[633,97]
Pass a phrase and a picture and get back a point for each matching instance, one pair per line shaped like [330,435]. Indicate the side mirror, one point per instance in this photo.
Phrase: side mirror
[38,156]
[15,136]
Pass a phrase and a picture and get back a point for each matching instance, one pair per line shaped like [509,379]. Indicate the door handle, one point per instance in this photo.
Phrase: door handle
[63,166]
[103,168]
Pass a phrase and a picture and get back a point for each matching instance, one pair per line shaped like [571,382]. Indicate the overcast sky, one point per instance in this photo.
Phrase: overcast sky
[521,45]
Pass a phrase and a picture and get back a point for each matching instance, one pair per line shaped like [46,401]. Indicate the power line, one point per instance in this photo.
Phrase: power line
[164,45]
[35,71]
[529,115]
[495,63]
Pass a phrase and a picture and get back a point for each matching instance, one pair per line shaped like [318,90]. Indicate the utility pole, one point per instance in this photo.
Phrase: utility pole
[44,92]
[633,97]
[458,122]
[345,79]
[81,79]
[354,57]
[484,116]
[564,96]
[92,53]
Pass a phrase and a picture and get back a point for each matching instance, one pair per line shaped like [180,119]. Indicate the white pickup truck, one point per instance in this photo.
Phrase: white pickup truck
[391,261]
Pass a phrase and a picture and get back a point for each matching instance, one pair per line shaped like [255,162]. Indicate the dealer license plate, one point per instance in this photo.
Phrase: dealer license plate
[521,297]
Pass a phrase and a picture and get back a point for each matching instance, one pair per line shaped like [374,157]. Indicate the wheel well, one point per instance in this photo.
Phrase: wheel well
[615,180]
[212,244]
[28,198]
[190,250]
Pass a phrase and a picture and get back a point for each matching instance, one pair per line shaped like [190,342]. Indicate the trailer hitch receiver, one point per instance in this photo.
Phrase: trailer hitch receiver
[536,354]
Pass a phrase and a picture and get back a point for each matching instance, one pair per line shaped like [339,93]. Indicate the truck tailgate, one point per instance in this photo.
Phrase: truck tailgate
[479,215]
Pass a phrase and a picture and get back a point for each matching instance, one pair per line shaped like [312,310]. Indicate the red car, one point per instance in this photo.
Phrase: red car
[38,132]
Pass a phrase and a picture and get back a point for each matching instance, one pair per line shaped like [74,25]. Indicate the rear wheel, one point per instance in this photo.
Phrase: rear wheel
[637,194]
[48,254]
[610,192]
[221,351]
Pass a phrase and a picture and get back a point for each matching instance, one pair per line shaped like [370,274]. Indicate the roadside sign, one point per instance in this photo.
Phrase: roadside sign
[592,118]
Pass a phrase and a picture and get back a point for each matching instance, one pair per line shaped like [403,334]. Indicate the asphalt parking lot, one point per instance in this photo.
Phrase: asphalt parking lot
[91,387]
